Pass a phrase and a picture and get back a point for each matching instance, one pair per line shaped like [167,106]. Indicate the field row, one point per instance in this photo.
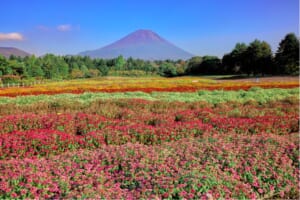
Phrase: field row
[113,84]
[136,121]
[215,97]
[219,166]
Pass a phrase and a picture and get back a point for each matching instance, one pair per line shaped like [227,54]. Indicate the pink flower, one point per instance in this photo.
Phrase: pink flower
[255,184]
[165,195]
[281,194]
[253,196]
[183,193]
[13,195]
[209,196]
[23,192]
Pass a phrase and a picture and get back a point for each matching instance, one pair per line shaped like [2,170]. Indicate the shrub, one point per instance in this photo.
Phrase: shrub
[76,73]
[10,79]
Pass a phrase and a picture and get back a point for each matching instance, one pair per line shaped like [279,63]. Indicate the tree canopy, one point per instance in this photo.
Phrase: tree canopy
[287,55]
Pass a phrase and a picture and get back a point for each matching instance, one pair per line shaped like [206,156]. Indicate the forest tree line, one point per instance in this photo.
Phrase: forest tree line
[255,58]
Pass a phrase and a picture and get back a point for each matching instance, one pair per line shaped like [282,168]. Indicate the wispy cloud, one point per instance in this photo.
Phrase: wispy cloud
[64,27]
[61,28]
[11,36]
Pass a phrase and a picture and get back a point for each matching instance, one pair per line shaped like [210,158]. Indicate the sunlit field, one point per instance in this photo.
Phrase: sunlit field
[158,138]
[147,84]
[138,100]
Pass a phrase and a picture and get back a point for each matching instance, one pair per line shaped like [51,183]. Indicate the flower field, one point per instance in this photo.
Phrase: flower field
[167,144]
[122,84]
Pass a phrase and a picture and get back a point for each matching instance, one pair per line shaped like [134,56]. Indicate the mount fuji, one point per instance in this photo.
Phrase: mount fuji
[142,44]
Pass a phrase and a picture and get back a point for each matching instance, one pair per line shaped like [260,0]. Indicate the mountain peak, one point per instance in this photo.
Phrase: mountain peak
[7,51]
[145,33]
[140,36]
[143,44]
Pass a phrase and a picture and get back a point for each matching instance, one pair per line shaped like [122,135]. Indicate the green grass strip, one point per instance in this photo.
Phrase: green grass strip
[217,96]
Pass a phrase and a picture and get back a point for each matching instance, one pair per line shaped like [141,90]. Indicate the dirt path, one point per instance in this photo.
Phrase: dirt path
[262,79]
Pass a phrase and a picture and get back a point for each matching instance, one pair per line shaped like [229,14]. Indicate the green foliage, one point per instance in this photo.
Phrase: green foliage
[54,67]
[258,58]
[210,65]
[120,62]
[16,67]
[77,73]
[167,70]
[287,55]
[85,71]
[33,67]
[94,72]
[10,79]
[4,68]
[215,97]
[204,65]
[130,73]
[103,69]
[193,64]
[235,60]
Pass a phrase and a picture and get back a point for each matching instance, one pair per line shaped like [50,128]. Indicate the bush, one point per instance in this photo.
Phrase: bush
[131,73]
[94,72]
[76,73]
[10,79]
[167,70]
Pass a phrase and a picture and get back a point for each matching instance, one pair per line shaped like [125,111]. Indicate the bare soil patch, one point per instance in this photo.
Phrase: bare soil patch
[261,79]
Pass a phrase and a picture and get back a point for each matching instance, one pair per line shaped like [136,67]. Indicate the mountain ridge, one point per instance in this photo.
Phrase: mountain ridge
[8,51]
[143,44]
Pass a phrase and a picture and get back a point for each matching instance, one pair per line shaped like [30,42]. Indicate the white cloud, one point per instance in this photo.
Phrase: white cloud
[64,27]
[11,36]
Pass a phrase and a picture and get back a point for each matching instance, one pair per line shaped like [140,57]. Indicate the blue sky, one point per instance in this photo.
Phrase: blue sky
[201,27]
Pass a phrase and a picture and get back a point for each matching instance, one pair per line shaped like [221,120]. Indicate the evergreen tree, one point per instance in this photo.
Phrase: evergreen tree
[287,55]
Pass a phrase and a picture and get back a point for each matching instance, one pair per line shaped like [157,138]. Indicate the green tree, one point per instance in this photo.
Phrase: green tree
[287,55]
[228,63]
[16,67]
[103,70]
[77,73]
[238,55]
[63,67]
[94,72]
[181,67]
[55,67]
[85,71]
[210,65]
[258,58]
[36,70]
[88,62]
[234,61]
[194,65]
[3,65]
[120,62]
[167,69]
[48,66]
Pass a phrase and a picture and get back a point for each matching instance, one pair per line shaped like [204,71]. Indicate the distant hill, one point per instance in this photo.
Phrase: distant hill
[7,51]
[142,44]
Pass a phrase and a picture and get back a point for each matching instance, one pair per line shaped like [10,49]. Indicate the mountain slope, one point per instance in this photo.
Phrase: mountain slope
[143,44]
[7,51]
